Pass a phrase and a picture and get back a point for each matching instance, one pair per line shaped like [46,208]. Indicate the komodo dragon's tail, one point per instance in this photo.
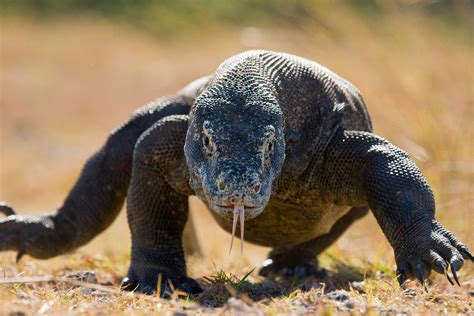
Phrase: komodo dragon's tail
[94,201]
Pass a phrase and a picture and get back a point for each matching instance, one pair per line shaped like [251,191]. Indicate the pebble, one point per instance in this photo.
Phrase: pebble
[83,276]
[358,285]
[338,295]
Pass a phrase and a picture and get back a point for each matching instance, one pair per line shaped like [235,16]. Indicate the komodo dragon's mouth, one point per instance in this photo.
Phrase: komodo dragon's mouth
[230,207]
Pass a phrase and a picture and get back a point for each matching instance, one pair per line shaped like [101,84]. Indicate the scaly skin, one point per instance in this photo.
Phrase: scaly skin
[280,140]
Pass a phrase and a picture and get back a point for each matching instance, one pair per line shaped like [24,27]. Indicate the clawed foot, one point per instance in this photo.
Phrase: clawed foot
[273,268]
[151,268]
[167,286]
[27,235]
[440,251]
[6,209]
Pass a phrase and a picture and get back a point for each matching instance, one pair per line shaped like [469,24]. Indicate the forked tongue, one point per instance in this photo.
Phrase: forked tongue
[238,211]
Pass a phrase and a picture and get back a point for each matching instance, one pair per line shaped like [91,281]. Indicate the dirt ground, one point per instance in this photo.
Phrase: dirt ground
[66,83]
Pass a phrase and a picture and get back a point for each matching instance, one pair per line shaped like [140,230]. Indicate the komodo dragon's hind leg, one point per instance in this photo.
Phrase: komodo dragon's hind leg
[158,210]
[300,261]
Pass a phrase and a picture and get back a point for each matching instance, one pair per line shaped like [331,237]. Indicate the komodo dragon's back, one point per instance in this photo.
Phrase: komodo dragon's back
[306,90]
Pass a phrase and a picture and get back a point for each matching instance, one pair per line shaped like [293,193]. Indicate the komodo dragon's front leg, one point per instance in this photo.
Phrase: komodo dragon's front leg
[158,209]
[382,175]
[96,198]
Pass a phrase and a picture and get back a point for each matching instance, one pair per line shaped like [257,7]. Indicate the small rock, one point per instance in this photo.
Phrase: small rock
[44,308]
[82,276]
[87,291]
[23,295]
[338,295]
[358,285]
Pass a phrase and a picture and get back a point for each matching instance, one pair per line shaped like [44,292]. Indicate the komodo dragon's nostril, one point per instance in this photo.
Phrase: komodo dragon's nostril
[256,187]
[221,186]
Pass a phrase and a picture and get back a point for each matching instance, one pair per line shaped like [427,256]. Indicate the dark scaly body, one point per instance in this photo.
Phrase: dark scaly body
[276,136]
[315,103]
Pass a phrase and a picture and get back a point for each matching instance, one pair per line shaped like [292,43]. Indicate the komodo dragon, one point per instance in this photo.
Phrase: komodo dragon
[271,139]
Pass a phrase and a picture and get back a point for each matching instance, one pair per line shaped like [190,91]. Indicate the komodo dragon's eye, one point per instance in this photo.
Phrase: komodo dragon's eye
[207,142]
[270,143]
[268,149]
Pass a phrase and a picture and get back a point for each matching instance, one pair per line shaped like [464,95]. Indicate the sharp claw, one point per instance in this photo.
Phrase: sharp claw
[128,285]
[420,277]
[447,276]
[6,209]
[401,276]
[464,251]
[455,275]
[442,267]
[21,253]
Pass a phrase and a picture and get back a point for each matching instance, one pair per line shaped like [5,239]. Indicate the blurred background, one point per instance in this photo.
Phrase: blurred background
[73,70]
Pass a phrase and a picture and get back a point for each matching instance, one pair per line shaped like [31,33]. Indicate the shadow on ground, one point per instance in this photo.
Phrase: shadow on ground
[219,287]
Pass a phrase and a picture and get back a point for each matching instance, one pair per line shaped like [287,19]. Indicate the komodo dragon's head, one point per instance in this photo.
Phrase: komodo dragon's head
[235,147]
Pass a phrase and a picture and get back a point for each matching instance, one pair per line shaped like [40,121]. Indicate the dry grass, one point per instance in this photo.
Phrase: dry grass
[66,83]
